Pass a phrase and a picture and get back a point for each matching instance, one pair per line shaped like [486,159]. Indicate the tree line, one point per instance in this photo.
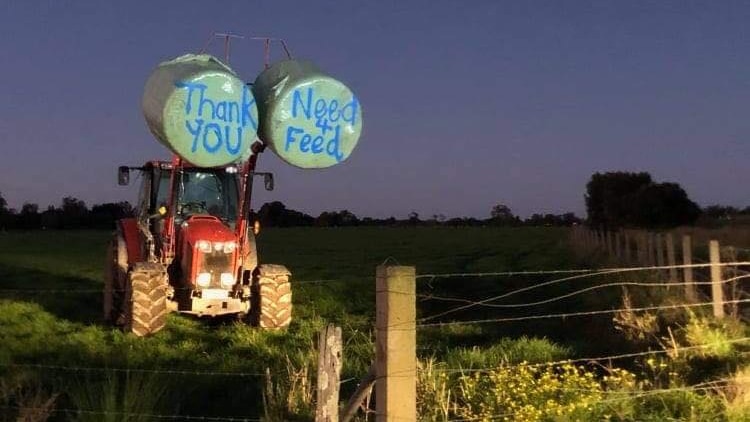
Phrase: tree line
[276,214]
[73,213]
[613,200]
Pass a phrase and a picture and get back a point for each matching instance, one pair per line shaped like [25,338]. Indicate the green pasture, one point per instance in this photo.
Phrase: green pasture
[50,309]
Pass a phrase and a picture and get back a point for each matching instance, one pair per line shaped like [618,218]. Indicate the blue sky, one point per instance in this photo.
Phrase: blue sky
[466,104]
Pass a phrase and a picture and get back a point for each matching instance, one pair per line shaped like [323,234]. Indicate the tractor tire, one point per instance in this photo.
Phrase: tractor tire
[271,297]
[115,280]
[146,298]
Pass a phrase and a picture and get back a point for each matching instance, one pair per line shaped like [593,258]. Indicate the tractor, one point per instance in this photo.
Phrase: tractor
[191,249]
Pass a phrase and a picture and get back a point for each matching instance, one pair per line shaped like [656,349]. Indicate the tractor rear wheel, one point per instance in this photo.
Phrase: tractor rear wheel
[272,297]
[146,299]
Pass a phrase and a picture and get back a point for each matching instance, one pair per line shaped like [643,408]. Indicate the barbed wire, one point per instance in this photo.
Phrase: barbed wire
[486,302]
[101,290]
[571,314]
[135,415]
[602,358]
[131,370]
[580,271]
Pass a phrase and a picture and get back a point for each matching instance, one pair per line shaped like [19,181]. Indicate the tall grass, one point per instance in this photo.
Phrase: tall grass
[116,396]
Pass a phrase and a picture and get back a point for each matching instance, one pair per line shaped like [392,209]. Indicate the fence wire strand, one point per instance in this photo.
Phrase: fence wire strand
[131,370]
[486,302]
[134,415]
[576,314]
[601,358]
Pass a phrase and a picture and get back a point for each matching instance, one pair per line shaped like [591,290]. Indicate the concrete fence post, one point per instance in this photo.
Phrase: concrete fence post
[717,291]
[396,343]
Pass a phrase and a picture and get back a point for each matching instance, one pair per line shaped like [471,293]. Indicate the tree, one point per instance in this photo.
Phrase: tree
[720,212]
[502,215]
[617,199]
[105,215]
[336,219]
[6,217]
[29,217]
[51,218]
[276,214]
[663,205]
[74,212]
[607,195]
[413,218]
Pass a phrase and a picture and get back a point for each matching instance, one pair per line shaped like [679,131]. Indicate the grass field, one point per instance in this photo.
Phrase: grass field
[58,325]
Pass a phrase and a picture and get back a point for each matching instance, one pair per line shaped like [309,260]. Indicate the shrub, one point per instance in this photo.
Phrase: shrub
[528,393]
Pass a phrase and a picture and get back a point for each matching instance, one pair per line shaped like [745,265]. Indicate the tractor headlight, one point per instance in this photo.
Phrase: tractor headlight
[203,246]
[229,247]
[203,279]
[227,280]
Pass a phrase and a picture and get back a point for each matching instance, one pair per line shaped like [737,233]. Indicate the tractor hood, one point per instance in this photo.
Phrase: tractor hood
[206,227]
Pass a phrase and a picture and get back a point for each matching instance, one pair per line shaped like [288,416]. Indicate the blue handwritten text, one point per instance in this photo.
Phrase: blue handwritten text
[213,123]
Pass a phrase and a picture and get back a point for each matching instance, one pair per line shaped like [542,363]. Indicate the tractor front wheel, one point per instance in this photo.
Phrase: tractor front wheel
[272,297]
[146,299]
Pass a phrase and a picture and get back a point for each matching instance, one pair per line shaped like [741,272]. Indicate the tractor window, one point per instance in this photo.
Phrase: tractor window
[144,195]
[162,191]
[208,192]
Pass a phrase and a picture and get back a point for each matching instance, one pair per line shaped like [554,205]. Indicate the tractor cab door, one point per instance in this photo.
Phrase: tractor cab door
[160,195]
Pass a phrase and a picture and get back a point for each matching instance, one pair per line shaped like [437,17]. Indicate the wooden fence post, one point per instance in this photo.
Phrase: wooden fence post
[717,292]
[731,273]
[396,343]
[640,244]
[671,259]
[627,247]
[329,372]
[650,249]
[659,240]
[687,272]
[618,246]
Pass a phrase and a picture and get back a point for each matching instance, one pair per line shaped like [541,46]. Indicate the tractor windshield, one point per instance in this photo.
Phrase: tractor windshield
[208,191]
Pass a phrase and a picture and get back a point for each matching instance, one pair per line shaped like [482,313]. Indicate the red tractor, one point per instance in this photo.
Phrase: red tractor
[191,249]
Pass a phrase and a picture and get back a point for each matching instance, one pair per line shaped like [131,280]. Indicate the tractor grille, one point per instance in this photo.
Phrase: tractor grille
[215,263]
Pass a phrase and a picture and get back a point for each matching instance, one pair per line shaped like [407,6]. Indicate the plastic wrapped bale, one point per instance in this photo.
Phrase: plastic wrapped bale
[308,118]
[197,107]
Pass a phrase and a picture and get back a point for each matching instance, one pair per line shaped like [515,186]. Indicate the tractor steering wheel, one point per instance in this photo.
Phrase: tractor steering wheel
[194,207]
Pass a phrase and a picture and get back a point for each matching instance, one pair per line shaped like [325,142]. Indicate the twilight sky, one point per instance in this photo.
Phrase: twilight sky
[466,103]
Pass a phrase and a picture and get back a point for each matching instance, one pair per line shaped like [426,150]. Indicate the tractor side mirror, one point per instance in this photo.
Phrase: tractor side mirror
[123,175]
[268,181]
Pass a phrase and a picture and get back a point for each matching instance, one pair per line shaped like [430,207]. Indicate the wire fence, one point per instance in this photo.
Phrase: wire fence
[534,285]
